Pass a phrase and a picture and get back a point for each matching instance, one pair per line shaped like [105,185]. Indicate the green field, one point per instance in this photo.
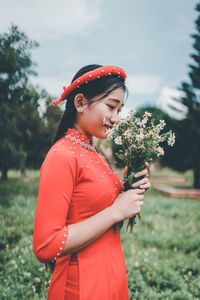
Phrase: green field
[162,255]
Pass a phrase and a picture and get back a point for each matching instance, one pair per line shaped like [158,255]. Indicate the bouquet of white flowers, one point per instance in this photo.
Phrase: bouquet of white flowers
[139,141]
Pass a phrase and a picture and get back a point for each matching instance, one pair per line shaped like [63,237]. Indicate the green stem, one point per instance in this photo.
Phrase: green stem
[134,166]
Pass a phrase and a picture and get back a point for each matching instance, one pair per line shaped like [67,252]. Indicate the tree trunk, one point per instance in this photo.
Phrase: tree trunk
[23,174]
[196,178]
[4,174]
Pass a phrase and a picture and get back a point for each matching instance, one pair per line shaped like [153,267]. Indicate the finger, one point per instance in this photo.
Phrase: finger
[140,197]
[140,191]
[145,186]
[141,173]
[147,164]
[140,182]
[141,203]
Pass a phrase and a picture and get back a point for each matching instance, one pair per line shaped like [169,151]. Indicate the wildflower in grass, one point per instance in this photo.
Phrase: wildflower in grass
[13,262]
[137,264]
[140,140]
[186,277]
[27,274]
[33,288]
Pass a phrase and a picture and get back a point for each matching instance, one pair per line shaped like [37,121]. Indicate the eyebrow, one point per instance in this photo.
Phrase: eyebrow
[116,100]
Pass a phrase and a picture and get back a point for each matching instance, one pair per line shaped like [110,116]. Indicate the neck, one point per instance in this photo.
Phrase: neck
[77,127]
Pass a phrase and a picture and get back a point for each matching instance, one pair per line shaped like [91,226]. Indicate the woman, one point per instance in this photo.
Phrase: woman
[80,198]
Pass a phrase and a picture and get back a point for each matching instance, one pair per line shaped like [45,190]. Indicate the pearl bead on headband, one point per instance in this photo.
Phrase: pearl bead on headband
[91,75]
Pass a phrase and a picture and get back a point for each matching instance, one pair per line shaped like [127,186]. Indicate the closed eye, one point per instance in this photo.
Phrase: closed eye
[113,107]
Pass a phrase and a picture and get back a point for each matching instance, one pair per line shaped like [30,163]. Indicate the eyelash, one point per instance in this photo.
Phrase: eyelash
[113,107]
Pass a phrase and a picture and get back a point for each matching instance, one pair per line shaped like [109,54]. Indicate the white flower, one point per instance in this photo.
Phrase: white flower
[109,133]
[139,137]
[171,139]
[147,114]
[127,133]
[41,269]
[142,123]
[137,264]
[13,262]
[129,115]
[27,274]
[161,125]
[162,122]
[160,151]
[105,121]
[33,288]
[118,140]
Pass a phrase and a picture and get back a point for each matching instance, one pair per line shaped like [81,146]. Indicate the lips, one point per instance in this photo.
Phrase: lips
[108,127]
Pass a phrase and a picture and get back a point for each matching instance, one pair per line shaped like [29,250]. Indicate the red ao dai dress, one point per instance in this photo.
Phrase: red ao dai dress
[75,184]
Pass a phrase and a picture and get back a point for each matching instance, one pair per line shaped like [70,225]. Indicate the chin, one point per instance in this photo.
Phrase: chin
[100,134]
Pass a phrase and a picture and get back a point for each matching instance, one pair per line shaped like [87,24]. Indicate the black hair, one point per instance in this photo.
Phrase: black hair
[102,86]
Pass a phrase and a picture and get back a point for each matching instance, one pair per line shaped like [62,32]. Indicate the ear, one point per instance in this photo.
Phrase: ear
[80,101]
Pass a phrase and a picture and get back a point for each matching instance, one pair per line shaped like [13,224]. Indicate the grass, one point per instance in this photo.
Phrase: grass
[162,255]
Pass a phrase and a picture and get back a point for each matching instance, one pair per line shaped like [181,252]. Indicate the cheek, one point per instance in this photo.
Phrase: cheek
[97,114]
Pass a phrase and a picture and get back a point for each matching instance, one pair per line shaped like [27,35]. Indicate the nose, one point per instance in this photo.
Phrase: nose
[114,117]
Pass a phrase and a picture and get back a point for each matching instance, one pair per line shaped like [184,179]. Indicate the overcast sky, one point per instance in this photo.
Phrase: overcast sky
[150,39]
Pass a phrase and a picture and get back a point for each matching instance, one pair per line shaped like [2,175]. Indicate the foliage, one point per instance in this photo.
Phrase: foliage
[188,130]
[162,256]
[15,67]
[25,135]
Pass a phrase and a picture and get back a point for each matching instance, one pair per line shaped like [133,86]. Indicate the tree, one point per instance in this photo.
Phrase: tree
[15,68]
[188,129]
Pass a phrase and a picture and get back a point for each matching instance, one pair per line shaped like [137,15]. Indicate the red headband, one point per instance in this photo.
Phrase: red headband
[91,75]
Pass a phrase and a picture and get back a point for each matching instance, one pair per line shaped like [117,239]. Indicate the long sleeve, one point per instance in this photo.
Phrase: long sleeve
[57,181]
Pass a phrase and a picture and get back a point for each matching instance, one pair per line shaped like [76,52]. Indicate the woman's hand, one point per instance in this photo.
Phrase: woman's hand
[143,183]
[127,204]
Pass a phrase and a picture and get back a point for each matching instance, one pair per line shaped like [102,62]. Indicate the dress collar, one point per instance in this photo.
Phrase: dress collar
[79,138]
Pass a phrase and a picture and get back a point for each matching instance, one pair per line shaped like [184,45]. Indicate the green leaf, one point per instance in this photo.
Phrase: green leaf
[120,156]
[130,178]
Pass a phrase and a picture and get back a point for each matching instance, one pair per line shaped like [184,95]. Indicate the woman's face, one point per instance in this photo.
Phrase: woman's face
[91,121]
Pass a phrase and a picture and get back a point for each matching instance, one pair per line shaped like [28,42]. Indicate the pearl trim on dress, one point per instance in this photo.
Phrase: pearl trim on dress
[78,141]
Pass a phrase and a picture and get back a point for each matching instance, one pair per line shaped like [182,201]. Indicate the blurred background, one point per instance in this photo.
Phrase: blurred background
[42,45]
